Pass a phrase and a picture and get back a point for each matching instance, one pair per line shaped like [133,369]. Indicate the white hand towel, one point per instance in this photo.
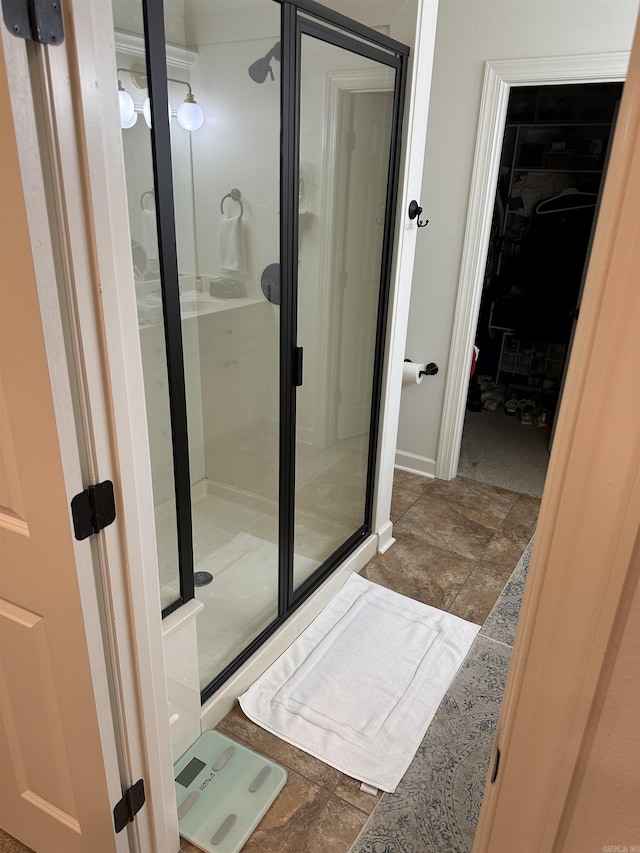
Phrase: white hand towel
[149,241]
[232,253]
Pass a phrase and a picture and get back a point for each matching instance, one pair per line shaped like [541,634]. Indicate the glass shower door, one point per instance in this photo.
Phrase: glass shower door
[261,158]
[236,183]
[205,226]
[341,273]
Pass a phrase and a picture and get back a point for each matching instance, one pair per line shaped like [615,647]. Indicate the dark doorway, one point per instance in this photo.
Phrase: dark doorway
[554,155]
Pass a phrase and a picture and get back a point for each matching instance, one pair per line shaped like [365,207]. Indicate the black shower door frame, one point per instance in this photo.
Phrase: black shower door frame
[298,18]
[313,22]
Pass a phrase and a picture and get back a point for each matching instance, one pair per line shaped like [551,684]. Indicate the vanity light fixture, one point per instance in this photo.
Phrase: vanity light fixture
[127,107]
[131,122]
[146,111]
[189,114]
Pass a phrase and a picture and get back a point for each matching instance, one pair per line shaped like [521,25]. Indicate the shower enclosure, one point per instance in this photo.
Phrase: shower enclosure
[261,148]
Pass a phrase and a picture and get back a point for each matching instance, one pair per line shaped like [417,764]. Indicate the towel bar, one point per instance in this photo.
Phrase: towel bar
[236,196]
[144,195]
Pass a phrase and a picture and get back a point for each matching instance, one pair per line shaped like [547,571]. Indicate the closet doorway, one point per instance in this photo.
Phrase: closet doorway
[553,158]
[501,77]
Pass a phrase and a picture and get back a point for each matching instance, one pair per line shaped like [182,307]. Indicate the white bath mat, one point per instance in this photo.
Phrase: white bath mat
[361,684]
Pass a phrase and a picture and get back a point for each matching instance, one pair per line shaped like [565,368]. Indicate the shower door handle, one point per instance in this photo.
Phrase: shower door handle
[297,366]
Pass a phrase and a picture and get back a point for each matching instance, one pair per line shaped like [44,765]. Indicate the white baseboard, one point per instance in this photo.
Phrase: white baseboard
[385,538]
[225,698]
[421,465]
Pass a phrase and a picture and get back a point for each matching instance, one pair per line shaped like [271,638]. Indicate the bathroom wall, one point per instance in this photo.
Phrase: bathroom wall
[470,32]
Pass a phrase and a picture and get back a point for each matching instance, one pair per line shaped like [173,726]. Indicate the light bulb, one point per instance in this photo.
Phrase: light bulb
[127,108]
[190,115]
[146,111]
[131,122]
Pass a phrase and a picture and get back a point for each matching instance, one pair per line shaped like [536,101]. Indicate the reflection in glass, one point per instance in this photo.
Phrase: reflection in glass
[230,331]
[344,159]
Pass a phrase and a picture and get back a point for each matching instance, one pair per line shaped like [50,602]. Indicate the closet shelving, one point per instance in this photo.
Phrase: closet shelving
[530,364]
[556,137]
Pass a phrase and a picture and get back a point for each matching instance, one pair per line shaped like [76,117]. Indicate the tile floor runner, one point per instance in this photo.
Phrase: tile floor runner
[437,804]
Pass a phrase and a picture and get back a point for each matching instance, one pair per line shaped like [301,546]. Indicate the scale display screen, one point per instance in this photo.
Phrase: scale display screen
[186,776]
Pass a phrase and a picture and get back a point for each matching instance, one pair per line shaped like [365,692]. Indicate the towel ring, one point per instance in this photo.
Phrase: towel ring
[236,196]
[144,195]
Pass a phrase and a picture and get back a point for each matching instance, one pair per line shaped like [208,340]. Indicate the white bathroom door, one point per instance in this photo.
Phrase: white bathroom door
[53,786]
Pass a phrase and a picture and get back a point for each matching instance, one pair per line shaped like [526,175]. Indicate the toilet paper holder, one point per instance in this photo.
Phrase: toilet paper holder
[430,369]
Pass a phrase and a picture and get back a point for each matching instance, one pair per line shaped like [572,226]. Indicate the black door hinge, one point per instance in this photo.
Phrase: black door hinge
[34,20]
[93,510]
[128,807]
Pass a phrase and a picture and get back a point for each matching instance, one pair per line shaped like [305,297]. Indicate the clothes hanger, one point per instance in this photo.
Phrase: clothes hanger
[564,196]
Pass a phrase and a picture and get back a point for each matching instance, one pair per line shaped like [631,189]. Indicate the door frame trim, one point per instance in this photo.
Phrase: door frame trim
[499,77]
[45,256]
[76,142]
[111,363]
[419,77]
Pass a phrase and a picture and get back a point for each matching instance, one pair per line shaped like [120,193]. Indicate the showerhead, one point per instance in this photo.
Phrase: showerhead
[259,70]
[261,67]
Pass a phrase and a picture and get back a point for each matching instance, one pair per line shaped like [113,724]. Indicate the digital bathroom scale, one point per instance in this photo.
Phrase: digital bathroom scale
[223,790]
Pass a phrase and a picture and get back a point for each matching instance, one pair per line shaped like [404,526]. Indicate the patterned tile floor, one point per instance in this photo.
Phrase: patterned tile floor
[457,544]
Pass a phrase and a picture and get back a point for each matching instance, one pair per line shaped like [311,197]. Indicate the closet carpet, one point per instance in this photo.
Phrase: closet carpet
[457,544]
[496,448]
